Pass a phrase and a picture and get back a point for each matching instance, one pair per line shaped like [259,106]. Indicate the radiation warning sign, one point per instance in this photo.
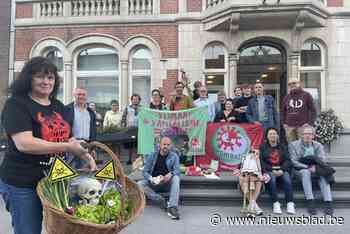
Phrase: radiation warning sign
[107,172]
[60,171]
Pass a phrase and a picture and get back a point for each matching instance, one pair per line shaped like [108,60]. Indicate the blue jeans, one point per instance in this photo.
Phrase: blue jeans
[306,180]
[173,186]
[25,208]
[287,187]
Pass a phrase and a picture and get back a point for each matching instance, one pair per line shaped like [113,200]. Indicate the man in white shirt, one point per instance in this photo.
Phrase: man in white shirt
[204,101]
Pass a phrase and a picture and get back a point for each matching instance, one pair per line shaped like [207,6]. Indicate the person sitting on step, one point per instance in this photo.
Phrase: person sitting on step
[302,151]
[250,181]
[276,162]
[161,173]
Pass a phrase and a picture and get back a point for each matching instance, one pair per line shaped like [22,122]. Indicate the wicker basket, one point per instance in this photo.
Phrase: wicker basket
[58,222]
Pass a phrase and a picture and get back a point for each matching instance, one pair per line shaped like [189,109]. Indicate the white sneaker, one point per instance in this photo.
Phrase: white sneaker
[290,208]
[277,208]
[257,209]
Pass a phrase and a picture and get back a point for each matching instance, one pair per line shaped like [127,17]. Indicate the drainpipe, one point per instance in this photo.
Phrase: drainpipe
[12,43]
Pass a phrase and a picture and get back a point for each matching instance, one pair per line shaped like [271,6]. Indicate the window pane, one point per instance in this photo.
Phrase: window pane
[215,82]
[142,86]
[55,56]
[101,90]
[60,90]
[214,57]
[311,55]
[98,59]
[260,54]
[311,81]
[141,60]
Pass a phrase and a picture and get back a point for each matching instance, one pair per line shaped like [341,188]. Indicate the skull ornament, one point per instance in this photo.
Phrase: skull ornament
[89,190]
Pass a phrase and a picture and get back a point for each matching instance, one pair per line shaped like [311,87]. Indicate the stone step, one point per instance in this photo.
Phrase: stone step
[231,197]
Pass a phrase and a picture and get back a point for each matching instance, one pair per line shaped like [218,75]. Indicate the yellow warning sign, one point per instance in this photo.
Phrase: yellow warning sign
[60,170]
[107,172]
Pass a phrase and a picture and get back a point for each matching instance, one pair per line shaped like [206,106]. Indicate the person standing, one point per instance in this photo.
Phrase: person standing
[195,93]
[276,162]
[83,122]
[242,103]
[38,130]
[130,119]
[180,101]
[261,109]
[237,92]
[99,119]
[204,101]
[220,103]
[297,109]
[156,102]
[113,117]
[228,114]
[162,173]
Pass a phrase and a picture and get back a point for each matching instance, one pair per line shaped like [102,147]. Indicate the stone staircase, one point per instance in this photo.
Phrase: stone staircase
[200,191]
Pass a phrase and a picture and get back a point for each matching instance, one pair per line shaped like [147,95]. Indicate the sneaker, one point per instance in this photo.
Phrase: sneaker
[291,208]
[277,208]
[257,209]
[311,209]
[173,213]
[163,204]
[328,208]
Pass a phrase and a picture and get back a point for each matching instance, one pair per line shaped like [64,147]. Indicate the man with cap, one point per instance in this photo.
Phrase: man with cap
[297,109]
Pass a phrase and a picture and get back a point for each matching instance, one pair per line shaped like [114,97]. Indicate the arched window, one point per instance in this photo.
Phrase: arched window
[56,57]
[98,73]
[312,71]
[141,73]
[311,55]
[214,67]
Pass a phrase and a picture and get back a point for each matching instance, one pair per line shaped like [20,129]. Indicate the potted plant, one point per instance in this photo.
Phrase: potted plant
[328,127]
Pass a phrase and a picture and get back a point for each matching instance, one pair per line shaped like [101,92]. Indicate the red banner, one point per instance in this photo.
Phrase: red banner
[228,142]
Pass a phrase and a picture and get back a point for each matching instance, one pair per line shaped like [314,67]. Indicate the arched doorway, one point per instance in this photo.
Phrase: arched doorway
[266,62]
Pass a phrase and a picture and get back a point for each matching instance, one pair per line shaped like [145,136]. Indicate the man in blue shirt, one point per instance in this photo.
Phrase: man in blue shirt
[162,174]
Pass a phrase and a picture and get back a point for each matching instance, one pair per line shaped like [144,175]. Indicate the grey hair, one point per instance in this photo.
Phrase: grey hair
[308,126]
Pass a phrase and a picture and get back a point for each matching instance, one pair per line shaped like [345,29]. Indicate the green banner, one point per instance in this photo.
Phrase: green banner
[186,128]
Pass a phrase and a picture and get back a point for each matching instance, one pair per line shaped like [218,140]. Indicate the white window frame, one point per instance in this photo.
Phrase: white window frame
[133,73]
[222,71]
[321,69]
[60,73]
[87,74]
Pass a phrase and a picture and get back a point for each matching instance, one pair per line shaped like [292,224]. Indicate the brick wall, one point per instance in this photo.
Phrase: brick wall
[169,84]
[335,3]
[194,5]
[5,10]
[169,6]
[165,35]
[24,10]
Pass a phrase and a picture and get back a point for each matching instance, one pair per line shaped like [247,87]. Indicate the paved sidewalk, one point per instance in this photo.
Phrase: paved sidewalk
[195,220]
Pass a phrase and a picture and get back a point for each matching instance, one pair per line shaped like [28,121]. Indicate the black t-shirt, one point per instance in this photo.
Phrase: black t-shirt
[49,123]
[160,167]
[242,101]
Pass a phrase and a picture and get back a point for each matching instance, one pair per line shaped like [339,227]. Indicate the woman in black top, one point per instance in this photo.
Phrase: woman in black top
[156,102]
[228,114]
[38,131]
[276,162]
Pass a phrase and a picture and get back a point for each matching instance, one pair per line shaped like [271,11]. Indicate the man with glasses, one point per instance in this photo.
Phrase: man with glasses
[156,102]
[308,158]
[297,109]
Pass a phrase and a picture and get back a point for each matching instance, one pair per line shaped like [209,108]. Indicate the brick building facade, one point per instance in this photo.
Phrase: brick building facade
[117,47]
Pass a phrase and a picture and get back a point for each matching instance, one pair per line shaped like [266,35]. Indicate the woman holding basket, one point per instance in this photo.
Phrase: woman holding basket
[38,131]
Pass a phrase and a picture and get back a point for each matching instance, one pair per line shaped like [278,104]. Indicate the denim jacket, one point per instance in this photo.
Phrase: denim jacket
[172,163]
[253,112]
